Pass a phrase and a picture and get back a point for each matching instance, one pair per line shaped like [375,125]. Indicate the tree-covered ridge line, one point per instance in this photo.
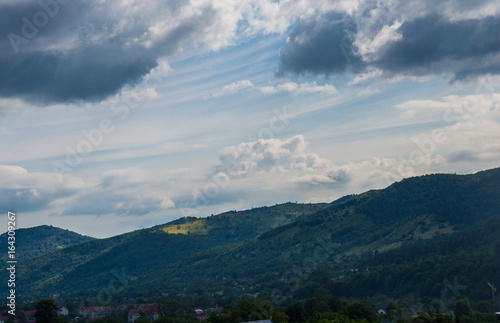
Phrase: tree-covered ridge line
[416,213]
[37,241]
[89,265]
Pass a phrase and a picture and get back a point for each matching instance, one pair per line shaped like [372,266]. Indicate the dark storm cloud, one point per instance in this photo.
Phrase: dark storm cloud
[321,47]
[90,73]
[429,45]
[64,51]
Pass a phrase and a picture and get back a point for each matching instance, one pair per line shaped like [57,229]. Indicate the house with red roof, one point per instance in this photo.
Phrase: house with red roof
[30,316]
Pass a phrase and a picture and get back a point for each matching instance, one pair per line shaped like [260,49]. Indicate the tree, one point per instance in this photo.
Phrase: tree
[46,311]
[392,310]
[333,318]
[112,320]
[249,310]
[143,319]
[431,318]
[335,304]
[313,306]
[323,294]
[462,307]
[295,313]
[360,310]
[484,306]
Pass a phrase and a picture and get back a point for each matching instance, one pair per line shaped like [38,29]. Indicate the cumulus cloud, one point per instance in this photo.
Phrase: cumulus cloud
[266,155]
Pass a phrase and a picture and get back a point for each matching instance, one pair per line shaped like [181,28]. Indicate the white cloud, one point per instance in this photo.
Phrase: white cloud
[6,170]
[367,45]
[368,91]
[302,88]
[288,87]
[370,74]
[269,155]
[12,106]
[234,88]
[471,124]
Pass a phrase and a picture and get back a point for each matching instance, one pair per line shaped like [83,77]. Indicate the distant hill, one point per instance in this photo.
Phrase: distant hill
[417,214]
[37,241]
[90,264]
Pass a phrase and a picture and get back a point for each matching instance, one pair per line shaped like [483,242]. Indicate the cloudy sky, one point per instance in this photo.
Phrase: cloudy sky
[119,115]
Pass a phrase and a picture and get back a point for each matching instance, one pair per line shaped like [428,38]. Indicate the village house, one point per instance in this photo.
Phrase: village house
[30,316]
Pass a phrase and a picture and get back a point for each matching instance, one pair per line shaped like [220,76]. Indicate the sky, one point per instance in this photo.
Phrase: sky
[120,115]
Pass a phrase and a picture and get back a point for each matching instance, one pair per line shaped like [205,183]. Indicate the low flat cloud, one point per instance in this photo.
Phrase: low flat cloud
[24,191]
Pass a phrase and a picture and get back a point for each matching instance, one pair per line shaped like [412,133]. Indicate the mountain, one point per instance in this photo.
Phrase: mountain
[410,239]
[376,230]
[91,264]
[37,241]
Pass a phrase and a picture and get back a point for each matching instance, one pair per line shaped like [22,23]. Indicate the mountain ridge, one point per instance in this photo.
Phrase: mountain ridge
[39,240]
[148,248]
[355,229]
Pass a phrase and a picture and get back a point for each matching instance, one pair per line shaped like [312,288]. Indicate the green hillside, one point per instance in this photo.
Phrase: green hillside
[409,240]
[90,265]
[37,241]
[322,249]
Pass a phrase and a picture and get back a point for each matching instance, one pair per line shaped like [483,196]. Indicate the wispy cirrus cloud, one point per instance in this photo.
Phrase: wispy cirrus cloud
[288,87]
